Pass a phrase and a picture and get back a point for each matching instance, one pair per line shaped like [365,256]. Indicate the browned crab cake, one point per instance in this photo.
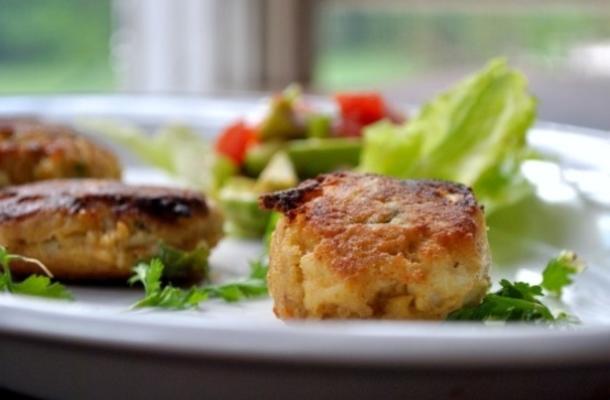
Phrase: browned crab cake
[97,229]
[31,150]
[366,246]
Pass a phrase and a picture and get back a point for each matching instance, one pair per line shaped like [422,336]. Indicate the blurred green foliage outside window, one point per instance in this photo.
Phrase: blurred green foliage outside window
[363,46]
[55,46]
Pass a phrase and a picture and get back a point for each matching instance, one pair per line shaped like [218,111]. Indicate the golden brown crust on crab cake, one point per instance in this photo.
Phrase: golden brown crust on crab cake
[97,229]
[32,150]
[366,246]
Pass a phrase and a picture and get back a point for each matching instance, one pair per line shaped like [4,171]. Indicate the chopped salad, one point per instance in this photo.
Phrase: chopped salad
[473,133]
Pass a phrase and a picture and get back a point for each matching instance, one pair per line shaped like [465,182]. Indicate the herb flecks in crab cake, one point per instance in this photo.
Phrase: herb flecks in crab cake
[365,246]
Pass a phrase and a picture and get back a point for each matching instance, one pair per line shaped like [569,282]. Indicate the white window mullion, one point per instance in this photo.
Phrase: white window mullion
[210,45]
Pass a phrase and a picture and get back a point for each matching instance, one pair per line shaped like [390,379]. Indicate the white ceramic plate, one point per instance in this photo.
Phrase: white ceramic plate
[98,342]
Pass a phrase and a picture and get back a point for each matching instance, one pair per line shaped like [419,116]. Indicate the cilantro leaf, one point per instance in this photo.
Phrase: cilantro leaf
[6,280]
[171,264]
[558,271]
[259,269]
[4,258]
[38,285]
[254,286]
[34,285]
[520,301]
[170,297]
[149,275]
[520,290]
[273,221]
[501,306]
[181,265]
[236,291]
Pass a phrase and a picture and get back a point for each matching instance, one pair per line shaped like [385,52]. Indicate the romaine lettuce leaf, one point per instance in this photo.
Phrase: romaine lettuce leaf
[176,149]
[474,133]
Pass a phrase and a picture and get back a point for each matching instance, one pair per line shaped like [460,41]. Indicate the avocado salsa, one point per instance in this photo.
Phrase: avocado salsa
[292,142]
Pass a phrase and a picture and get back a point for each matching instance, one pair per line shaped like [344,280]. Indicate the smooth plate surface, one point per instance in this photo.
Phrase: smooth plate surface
[571,210]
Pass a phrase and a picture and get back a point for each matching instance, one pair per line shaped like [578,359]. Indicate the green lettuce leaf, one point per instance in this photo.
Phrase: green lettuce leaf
[175,149]
[474,133]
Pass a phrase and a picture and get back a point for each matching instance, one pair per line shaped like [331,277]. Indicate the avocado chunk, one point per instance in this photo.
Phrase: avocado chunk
[239,201]
[282,121]
[319,126]
[312,157]
[279,174]
[258,156]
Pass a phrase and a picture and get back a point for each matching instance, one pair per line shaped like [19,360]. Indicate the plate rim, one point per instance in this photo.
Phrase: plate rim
[464,345]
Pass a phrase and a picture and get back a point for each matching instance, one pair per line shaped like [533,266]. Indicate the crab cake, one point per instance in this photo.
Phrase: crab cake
[98,229]
[366,246]
[31,150]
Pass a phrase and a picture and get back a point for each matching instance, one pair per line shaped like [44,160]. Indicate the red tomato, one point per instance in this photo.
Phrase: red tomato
[361,109]
[235,140]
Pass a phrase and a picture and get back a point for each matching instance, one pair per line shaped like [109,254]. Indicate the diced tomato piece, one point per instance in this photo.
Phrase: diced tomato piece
[363,108]
[235,140]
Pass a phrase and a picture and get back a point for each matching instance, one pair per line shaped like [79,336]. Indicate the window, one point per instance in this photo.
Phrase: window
[55,46]
[412,49]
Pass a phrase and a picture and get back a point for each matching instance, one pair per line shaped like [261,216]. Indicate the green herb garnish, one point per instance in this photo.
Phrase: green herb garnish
[180,264]
[558,271]
[34,285]
[170,297]
[149,275]
[254,286]
[273,221]
[520,301]
[514,302]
